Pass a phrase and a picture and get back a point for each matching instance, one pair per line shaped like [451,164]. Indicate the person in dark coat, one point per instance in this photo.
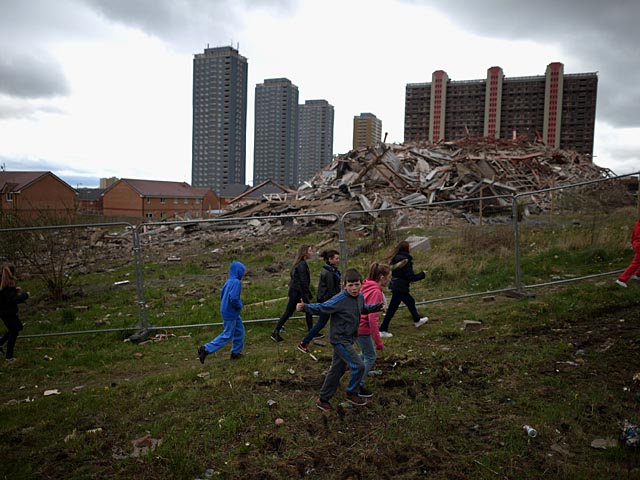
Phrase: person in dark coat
[328,286]
[299,289]
[10,297]
[402,276]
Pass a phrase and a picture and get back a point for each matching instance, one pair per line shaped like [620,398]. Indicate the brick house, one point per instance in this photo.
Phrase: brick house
[90,200]
[29,195]
[157,200]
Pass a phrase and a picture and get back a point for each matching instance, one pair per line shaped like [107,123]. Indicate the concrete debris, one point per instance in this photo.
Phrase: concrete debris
[411,174]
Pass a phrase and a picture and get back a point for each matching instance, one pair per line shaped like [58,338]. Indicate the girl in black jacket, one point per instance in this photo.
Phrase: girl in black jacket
[401,277]
[299,289]
[10,297]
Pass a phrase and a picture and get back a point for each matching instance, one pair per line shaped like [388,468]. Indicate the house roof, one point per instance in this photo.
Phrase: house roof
[17,181]
[232,190]
[268,186]
[160,188]
[90,194]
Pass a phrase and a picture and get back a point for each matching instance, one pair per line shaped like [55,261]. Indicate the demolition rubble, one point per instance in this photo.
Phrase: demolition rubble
[457,172]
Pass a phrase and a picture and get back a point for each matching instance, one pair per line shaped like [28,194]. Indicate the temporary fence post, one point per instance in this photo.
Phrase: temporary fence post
[137,261]
[344,261]
[516,233]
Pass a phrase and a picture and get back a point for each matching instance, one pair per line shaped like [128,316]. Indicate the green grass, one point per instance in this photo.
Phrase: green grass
[450,403]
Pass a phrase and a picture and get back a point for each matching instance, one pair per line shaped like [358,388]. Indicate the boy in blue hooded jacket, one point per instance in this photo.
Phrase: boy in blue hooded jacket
[230,308]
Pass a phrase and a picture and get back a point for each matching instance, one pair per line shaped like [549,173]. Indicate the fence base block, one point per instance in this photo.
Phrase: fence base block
[519,294]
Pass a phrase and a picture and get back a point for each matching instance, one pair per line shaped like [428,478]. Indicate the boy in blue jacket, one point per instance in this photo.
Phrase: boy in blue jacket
[230,308]
[345,309]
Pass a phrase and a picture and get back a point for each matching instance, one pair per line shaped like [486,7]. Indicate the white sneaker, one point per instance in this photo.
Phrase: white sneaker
[621,283]
[635,277]
[386,334]
[421,322]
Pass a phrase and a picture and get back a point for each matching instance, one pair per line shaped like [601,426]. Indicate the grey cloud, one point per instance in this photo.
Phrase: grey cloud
[31,75]
[602,36]
[186,24]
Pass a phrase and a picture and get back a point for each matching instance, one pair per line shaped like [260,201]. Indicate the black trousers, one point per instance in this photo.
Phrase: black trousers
[14,325]
[291,307]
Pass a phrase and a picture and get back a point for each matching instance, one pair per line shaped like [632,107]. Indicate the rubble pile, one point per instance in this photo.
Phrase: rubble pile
[420,174]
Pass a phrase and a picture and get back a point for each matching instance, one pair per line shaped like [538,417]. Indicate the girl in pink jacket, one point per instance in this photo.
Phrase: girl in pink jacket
[368,333]
[633,269]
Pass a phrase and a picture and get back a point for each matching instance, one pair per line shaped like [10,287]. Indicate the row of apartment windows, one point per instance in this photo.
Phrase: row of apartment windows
[176,200]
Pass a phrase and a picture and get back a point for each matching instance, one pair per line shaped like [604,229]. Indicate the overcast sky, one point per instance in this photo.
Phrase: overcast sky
[101,88]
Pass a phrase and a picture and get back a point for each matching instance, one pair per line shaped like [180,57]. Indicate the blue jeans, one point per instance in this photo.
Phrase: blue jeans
[396,298]
[233,330]
[365,342]
[322,321]
[344,356]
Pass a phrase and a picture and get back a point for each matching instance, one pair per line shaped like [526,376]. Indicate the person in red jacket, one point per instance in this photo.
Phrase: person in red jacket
[633,269]
[368,333]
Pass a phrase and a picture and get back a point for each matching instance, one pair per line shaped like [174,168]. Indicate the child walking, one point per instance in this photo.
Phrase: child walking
[10,297]
[368,333]
[328,286]
[401,278]
[345,310]
[298,290]
[633,269]
[230,308]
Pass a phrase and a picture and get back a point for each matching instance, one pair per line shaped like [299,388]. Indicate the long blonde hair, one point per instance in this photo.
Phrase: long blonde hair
[8,276]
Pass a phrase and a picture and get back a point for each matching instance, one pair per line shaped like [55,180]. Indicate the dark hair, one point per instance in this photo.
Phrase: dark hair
[8,276]
[403,246]
[302,251]
[352,275]
[328,254]
[376,270]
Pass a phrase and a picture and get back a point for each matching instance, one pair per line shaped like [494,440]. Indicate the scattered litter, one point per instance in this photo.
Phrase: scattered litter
[77,388]
[402,416]
[530,431]
[313,356]
[630,434]
[95,430]
[55,391]
[636,377]
[121,282]
[375,373]
[279,422]
[256,373]
[47,357]
[569,362]
[471,325]
[173,258]
[291,371]
[144,445]
[203,375]
[604,443]
[271,403]
[71,436]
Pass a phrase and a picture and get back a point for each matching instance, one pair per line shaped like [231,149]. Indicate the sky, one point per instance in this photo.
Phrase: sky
[103,88]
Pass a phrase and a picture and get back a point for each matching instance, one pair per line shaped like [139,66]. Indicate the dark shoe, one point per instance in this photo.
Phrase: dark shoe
[318,336]
[12,359]
[275,336]
[324,406]
[202,354]
[235,356]
[356,400]
[364,393]
[303,348]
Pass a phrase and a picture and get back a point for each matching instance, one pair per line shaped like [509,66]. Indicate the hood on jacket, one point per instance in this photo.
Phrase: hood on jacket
[236,270]
[369,286]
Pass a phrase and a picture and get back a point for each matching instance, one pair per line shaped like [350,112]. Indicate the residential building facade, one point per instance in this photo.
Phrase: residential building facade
[276,133]
[558,108]
[315,137]
[219,118]
[367,130]
[28,195]
[155,200]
